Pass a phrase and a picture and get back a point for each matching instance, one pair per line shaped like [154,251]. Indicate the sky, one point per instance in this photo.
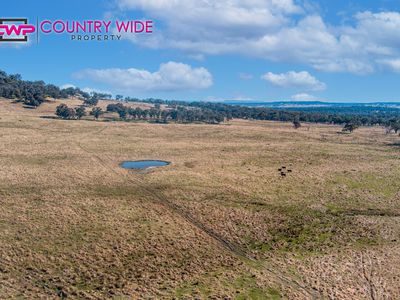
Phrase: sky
[213,50]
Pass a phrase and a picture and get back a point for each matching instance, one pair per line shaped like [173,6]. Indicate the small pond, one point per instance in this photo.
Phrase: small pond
[144,164]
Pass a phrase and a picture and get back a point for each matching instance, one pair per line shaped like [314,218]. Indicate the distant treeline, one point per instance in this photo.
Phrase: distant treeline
[359,110]
[177,114]
[385,118]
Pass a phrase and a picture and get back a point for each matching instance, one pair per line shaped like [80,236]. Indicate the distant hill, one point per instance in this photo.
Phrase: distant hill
[325,107]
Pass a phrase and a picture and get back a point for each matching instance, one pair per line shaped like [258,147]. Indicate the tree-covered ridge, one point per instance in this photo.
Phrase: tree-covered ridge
[34,93]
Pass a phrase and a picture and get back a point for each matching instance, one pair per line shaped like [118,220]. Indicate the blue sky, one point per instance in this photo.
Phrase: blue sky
[266,50]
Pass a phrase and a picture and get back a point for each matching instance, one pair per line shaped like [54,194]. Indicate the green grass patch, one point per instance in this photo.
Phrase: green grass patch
[377,184]
[306,231]
[247,288]
[242,287]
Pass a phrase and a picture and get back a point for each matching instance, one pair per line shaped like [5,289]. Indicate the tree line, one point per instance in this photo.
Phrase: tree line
[30,92]
[34,93]
[178,114]
[154,114]
[350,121]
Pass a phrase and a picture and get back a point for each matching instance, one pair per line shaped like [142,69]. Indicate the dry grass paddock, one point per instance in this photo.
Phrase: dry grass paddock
[219,222]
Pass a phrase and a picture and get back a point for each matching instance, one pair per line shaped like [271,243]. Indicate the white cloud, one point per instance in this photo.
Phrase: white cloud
[302,80]
[86,89]
[210,26]
[228,14]
[92,90]
[171,76]
[276,30]
[304,97]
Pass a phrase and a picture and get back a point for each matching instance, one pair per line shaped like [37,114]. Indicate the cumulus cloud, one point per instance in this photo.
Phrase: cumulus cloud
[92,90]
[304,97]
[171,76]
[210,26]
[227,14]
[85,89]
[276,30]
[301,80]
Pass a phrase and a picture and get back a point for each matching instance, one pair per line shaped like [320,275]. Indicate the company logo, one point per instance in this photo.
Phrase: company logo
[15,29]
[18,29]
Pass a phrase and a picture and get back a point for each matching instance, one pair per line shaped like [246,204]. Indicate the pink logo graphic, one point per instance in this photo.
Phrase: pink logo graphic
[16,30]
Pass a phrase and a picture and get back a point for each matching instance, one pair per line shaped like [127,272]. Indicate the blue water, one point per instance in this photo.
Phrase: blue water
[143,164]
